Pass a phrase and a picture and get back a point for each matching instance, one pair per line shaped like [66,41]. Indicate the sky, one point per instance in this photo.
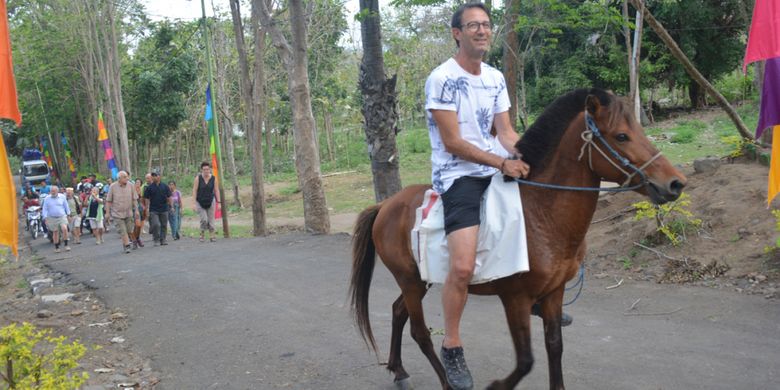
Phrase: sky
[191,9]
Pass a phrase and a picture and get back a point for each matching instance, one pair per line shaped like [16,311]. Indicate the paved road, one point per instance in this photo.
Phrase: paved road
[272,313]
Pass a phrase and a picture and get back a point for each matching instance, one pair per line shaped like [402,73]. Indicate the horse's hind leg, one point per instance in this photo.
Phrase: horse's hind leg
[413,295]
[518,315]
[400,315]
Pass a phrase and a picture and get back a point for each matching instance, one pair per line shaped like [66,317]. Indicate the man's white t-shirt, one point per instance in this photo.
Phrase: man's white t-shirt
[476,99]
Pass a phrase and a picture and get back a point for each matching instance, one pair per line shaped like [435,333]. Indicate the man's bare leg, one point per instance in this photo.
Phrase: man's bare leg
[462,245]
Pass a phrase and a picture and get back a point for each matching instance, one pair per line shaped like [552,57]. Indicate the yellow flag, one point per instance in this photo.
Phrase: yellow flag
[9,219]
[774,166]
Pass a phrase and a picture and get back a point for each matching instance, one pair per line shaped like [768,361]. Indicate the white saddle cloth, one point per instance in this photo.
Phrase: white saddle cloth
[501,250]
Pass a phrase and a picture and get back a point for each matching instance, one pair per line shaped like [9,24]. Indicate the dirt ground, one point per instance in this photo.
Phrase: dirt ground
[728,251]
[110,363]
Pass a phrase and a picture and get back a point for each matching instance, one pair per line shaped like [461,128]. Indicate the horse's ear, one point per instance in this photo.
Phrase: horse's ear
[592,104]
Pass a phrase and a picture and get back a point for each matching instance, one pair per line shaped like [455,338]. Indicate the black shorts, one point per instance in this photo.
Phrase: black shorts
[462,202]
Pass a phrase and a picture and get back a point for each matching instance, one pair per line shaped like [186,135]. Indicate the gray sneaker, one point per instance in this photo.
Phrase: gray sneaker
[458,375]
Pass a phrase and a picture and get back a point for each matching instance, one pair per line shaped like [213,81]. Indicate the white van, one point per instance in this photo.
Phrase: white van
[34,172]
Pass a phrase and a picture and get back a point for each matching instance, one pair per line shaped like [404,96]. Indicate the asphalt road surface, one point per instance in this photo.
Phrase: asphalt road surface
[272,313]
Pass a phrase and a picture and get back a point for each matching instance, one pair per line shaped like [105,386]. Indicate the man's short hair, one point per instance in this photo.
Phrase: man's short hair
[457,17]
[205,164]
[154,174]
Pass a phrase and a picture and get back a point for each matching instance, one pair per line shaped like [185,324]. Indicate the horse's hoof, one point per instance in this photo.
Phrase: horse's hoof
[403,384]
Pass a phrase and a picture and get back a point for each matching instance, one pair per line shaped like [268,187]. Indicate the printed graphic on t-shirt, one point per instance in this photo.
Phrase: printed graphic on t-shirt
[476,100]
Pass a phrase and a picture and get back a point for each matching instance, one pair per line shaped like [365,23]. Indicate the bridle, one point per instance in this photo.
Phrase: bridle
[593,137]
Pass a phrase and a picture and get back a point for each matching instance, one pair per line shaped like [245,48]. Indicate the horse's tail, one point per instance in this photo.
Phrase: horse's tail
[363,260]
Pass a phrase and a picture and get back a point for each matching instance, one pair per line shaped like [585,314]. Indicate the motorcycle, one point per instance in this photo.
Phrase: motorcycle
[34,222]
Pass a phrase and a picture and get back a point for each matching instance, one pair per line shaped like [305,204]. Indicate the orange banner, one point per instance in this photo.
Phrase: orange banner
[9,108]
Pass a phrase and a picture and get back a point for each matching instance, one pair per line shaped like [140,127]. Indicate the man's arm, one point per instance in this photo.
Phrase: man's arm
[508,138]
[447,122]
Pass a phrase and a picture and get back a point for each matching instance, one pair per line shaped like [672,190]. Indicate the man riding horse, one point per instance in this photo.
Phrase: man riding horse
[465,99]
[581,139]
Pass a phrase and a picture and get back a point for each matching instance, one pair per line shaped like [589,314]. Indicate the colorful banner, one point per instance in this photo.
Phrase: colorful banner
[68,156]
[212,126]
[45,148]
[769,116]
[9,108]
[764,37]
[107,150]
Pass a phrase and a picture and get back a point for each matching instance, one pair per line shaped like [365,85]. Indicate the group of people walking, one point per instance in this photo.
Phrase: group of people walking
[127,205]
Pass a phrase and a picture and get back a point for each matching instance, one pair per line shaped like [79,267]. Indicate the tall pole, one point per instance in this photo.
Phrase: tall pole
[217,142]
[48,133]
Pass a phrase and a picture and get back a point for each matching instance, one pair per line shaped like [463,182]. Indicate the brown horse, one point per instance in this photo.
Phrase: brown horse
[561,150]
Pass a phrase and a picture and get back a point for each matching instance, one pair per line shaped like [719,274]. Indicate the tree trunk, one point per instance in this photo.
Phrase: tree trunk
[637,96]
[380,111]
[697,96]
[177,163]
[633,59]
[148,159]
[511,54]
[161,162]
[269,143]
[222,51]
[307,160]
[251,99]
[691,69]
[758,82]
[327,119]
[259,97]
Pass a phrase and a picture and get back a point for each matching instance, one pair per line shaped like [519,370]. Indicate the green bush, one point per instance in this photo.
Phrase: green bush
[735,86]
[673,220]
[33,359]
[414,141]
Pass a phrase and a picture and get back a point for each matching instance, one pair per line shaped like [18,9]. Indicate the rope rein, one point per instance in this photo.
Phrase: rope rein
[592,131]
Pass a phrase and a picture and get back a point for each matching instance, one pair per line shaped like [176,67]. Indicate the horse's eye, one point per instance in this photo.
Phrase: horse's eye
[622,137]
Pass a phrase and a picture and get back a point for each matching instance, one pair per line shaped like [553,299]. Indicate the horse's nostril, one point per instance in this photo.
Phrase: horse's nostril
[676,187]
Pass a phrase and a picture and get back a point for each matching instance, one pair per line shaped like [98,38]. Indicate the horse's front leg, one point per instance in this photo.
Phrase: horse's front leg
[551,315]
[518,315]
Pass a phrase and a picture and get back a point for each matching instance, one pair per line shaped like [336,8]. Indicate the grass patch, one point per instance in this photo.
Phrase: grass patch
[687,131]
[23,284]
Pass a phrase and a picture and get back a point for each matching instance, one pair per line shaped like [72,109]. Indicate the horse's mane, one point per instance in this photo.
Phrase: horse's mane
[546,132]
